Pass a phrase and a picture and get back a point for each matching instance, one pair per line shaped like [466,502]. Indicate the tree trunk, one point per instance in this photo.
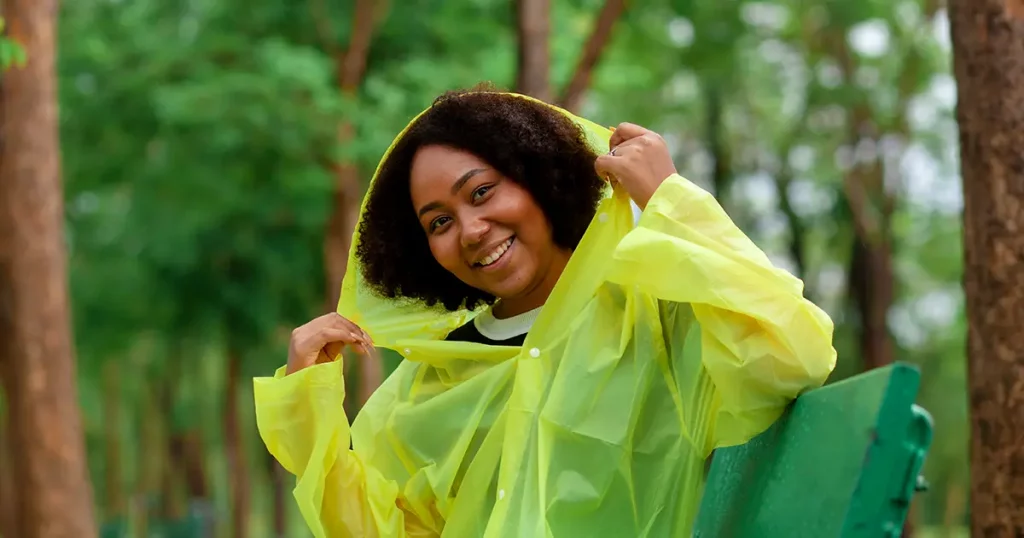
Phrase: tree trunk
[351,66]
[599,38]
[988,62]
[151,461]
[797,229]
[189,447]
[113,477]
[277,481]
[172,507]
[533,28]
[239,479]
[721,171]
[8,508]
[871,287]
[55,497]
[189,461]
[870,278]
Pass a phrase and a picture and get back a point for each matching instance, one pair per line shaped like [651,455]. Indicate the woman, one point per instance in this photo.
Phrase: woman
[567,368]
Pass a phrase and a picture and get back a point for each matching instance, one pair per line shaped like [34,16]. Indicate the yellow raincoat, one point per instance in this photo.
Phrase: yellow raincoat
[660,342]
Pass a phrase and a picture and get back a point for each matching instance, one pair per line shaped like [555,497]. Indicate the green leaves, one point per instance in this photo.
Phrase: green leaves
[11,54]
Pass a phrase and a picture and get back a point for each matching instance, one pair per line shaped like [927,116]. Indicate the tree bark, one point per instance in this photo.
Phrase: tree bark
[189,447]
[533,28]
[988,61]
[55,497]
[351,66]
[239,479]
[113,476]
[871,287]
[572,97]
[172,505]
[347,196]
[871,278]
[277,480]
[714,134]
[8,506]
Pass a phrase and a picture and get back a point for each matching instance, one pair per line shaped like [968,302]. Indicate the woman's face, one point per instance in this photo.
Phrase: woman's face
[484,228]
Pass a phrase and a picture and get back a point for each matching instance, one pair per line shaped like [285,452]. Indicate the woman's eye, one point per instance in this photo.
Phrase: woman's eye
[480,192]
[438,222]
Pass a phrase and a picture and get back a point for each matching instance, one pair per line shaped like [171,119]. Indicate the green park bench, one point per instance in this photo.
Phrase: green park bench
[843,461]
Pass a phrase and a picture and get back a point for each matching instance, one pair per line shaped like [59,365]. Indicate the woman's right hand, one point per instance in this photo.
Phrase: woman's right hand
[322,340]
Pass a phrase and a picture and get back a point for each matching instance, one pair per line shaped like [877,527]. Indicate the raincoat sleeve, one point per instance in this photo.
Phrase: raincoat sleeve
[303,424]
[761,342]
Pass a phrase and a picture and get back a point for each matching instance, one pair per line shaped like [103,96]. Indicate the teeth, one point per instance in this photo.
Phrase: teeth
[493,256]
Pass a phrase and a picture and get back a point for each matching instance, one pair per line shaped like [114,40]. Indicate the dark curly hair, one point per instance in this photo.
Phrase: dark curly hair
[528,142]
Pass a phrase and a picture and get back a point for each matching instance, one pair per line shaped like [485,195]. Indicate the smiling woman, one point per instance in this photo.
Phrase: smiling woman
[568,368]
[474,171]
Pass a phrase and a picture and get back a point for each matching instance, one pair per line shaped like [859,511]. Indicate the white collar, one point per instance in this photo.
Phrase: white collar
[503,329]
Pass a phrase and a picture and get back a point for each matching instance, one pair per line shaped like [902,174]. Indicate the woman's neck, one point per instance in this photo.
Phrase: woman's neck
[537,295]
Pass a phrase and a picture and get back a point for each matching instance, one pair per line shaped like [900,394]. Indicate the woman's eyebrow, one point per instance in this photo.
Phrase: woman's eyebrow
[464,178]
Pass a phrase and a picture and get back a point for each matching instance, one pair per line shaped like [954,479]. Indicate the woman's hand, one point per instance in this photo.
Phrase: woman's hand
[323,339]
[639,160]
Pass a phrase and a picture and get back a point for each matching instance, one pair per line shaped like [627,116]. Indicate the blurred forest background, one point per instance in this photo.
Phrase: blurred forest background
[214,153]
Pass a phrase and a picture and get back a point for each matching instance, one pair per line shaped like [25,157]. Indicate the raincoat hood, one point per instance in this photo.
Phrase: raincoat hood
[390,322]
[662,340]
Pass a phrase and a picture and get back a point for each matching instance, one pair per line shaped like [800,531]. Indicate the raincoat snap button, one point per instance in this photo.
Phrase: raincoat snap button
[603,217]
[407,351]
[534,352]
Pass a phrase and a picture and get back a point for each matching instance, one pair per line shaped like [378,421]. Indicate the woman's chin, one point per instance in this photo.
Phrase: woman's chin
[512,292]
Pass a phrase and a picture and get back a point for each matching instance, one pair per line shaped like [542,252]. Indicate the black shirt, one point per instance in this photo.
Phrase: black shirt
[469,333]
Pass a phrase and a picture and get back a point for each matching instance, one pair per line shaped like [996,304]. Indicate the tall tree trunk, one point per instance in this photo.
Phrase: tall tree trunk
[871,287]
[188,459]
[189,447]
[871,277]
[55,497]
[172,507]
[988,62]
[277,481]
[151,460]
[714,135]
[351,67]
[595,45]
[797,229]
[533,27]
[239,479]
[8,506]
[112,470]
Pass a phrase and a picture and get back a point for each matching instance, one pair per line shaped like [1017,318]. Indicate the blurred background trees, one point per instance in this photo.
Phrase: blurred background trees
[214,155]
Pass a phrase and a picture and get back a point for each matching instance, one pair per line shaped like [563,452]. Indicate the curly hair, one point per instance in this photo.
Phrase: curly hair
[528,142]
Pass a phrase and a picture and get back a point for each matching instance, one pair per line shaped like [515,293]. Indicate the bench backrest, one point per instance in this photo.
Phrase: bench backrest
[843,461]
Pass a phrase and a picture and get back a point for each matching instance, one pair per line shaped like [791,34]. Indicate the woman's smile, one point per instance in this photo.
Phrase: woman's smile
[496,257]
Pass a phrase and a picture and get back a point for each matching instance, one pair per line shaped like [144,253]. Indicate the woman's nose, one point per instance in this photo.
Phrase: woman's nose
[473,231]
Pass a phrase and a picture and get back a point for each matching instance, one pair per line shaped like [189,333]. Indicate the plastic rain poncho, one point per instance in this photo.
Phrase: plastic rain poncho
[660,342]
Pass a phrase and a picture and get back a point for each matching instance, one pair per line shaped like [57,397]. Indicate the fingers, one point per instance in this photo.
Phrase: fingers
[614,166]
[336,321]
[625,132]
[323,338]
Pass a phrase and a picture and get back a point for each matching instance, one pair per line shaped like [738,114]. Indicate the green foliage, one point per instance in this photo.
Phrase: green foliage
[195,139]
[11,54]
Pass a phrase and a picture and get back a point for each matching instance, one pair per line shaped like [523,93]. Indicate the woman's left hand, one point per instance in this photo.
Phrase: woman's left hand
[639,160]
